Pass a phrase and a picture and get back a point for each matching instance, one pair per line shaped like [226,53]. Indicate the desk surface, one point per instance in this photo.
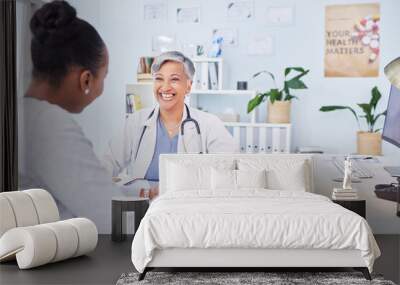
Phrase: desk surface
[381,214]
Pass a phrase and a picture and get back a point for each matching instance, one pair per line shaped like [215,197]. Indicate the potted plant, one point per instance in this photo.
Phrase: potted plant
[278,110]
[368,142]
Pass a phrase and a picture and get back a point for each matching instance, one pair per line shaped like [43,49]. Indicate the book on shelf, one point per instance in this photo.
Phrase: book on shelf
[213,76]
[344,194]
[345,198]
[204,80]
[133,103]
[145,63]
[343,191]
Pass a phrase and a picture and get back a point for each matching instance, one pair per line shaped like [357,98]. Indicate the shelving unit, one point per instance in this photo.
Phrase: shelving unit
[261,137]
[195,94]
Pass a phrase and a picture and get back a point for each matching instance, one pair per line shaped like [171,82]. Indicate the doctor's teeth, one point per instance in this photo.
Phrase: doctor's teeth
[166,96]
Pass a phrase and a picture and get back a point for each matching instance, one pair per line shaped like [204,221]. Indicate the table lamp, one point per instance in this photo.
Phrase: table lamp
[392,72]
[391,129]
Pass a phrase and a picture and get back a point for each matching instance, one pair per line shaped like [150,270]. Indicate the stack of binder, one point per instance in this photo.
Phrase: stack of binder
[344,194]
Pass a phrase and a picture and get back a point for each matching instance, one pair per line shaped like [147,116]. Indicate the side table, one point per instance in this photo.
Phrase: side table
[357,206]
[121,204]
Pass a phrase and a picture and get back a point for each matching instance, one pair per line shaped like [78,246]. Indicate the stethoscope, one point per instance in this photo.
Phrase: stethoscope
[184,122]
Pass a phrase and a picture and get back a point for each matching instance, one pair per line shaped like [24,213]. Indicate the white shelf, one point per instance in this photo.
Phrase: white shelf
[206,59]
[260,125]
[224,92]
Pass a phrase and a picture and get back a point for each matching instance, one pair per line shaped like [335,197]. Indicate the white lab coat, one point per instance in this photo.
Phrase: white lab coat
[121,151]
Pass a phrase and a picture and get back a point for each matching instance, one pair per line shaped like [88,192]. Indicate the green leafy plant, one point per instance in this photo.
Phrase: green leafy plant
[369,110]
[274,94]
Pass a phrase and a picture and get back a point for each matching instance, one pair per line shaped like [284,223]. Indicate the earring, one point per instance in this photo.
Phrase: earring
[87,91]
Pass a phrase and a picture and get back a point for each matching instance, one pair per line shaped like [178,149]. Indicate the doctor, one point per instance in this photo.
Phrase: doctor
[171,127]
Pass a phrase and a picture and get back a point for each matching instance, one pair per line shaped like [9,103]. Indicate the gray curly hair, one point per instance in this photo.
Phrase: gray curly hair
[176,56]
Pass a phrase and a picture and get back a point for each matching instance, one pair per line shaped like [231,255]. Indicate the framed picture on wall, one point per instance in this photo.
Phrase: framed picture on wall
[188,15]
[261,44]
[155,10]
[230,36]
[240,10]
[280,16]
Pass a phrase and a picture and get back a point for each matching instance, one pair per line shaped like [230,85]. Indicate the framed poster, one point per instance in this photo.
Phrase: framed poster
[352,40]
[229,35]
[280,16]
[188,15]
[154,10]
[240,10]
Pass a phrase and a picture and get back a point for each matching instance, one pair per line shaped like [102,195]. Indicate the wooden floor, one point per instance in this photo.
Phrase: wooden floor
[110,260]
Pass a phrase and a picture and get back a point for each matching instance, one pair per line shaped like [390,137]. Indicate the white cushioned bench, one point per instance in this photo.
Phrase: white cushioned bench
[31,233]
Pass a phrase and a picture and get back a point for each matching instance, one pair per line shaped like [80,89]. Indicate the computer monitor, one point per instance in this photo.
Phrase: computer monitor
[391,129]
[391,133]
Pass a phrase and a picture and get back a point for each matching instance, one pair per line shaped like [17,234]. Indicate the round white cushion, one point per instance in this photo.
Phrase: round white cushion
[23,208]
[26,208]
[7,218]
[40,244]
[46,207]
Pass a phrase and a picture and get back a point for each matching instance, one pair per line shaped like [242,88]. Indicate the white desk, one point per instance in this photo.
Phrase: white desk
[381,214]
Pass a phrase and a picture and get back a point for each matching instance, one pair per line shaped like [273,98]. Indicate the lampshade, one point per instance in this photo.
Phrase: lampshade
[392,72]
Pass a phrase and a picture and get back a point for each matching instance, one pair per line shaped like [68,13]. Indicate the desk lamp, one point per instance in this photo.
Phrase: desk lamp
[391,129]
[392,72]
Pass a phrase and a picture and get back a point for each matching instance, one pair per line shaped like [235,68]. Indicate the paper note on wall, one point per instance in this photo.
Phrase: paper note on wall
[352,40]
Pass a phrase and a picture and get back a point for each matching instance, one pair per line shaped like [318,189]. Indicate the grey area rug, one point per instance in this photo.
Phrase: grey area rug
[270,278]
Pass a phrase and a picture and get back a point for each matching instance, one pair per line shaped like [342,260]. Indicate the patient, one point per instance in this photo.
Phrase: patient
[70,63]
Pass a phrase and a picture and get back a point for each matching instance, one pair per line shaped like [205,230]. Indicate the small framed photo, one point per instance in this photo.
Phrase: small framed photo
[280,16]
[229,36]
[240,10]
[188,15]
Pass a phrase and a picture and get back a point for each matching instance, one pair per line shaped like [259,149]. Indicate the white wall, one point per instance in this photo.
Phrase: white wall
[128,36]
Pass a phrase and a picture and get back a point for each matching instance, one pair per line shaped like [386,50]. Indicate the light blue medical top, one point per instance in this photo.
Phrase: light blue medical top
[164,144]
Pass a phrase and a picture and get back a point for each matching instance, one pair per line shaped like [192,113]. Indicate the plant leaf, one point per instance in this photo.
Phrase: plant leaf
[295,83]
[290,97]
[367,111]
[376,118]
[300,75]
[254,102]
[376,96]
[275,94]
[288,69]
[335,107]
[266,72]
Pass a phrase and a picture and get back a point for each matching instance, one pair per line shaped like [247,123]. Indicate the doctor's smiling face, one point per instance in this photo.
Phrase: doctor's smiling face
[171,84]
